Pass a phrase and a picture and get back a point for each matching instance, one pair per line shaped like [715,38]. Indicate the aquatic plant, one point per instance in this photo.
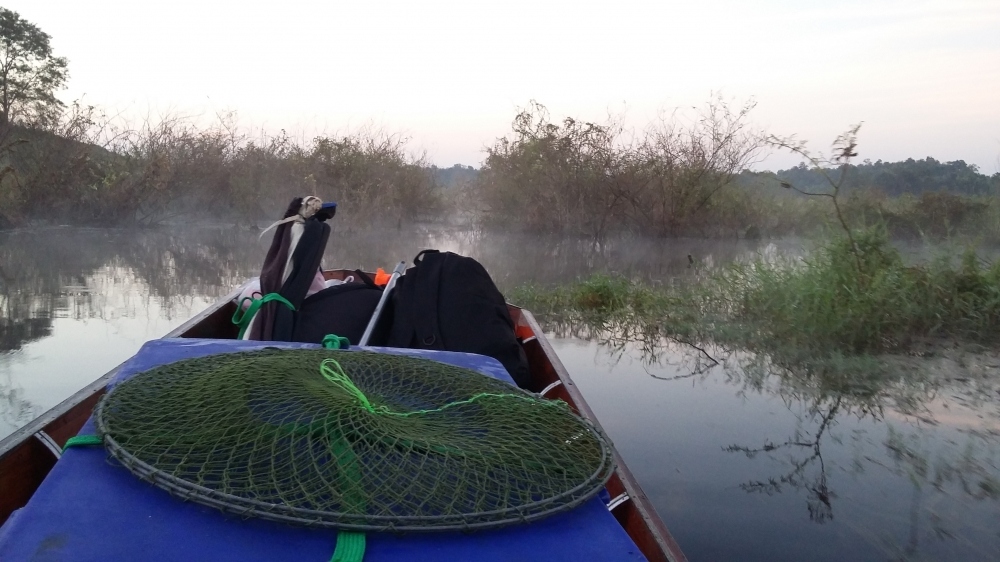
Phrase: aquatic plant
[849,297]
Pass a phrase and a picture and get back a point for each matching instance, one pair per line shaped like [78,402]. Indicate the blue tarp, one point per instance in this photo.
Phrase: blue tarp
[90,508]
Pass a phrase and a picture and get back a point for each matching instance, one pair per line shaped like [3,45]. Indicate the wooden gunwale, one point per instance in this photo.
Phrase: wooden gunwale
[25,460]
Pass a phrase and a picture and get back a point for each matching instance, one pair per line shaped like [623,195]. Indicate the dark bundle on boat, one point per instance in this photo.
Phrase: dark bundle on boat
[445,301]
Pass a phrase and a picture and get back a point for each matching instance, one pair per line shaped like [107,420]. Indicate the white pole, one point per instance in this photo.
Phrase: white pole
[396,273]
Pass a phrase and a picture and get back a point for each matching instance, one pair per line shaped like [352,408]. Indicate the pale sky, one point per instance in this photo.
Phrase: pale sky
[924,77]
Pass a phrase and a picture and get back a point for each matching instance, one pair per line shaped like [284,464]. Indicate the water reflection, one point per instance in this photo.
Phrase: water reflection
[15,409]
[806,470]
[889,459]
[75,302]
[72,293]
[745,457]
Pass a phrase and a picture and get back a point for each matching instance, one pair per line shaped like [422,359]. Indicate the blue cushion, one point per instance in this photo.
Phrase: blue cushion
[90,508]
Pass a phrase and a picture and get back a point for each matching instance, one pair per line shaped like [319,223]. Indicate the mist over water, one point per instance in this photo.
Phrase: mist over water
[742,460]
[75,302]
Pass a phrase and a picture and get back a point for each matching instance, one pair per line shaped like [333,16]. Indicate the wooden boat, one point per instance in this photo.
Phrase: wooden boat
[27,456]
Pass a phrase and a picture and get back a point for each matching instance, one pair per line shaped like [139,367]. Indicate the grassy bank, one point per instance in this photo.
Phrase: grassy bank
[842,301]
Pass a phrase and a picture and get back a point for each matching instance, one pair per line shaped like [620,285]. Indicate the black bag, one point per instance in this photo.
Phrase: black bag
[343,310]
[449,302]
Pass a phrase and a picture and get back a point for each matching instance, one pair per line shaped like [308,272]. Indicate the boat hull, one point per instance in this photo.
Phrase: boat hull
[28,455]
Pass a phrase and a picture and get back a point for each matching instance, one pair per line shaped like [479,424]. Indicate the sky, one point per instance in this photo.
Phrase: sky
[923,77]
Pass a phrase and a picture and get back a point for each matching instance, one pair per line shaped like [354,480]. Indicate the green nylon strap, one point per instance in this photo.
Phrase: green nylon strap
[83,441]
[242,317]
[350,547]
[333,341]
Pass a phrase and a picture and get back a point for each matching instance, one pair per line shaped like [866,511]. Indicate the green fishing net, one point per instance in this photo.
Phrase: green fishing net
[352,439]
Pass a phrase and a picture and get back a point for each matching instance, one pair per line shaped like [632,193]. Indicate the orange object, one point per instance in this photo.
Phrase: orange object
[523,332]
[381,277]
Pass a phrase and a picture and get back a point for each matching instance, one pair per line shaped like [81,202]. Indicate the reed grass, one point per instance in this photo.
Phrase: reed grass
[835,303]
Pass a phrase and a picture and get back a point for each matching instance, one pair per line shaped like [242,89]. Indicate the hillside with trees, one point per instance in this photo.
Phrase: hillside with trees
[897,178]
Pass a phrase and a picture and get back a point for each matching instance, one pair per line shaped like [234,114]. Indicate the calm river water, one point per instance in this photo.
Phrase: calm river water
[741,463]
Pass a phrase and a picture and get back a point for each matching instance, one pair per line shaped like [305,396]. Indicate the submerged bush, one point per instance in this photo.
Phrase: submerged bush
[842,300]
[597,295]
[590,179]
[933,214]
[831,301]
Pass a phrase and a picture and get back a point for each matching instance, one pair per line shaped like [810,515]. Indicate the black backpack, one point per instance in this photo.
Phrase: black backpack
[344,310]
[449,302]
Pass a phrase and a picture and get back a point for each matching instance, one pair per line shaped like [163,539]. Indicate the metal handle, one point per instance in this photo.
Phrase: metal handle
[396,273]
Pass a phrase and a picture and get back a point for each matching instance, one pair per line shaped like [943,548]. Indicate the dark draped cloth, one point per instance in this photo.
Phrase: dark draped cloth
[275,321]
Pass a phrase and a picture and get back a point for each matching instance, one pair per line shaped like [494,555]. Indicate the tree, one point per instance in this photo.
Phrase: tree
[844,148]
[29,73]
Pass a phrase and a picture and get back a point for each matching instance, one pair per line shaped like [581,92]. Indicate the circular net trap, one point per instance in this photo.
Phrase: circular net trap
[351,439]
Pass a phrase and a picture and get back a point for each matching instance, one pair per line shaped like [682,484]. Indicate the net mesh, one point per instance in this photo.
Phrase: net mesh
[352,439]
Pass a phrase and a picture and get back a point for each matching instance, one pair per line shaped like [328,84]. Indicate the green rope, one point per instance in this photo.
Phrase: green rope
[350,547]
[474,398]
[337,376]
[83,441]
[242,317]
[333,341]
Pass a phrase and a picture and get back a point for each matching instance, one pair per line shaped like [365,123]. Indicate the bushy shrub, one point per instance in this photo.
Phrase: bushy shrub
[843,300]
[590,179]
[827,303]
[88,169]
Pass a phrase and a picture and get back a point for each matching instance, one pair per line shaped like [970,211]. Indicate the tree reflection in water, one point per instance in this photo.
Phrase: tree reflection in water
[816,486]
[926,426]
[15,409]
[99,276]
[164,275]
[935,430]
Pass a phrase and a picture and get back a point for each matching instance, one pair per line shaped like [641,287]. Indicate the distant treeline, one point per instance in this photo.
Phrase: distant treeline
[458,175]
[678,177]
[910,199]
[898,178]
[891,178]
